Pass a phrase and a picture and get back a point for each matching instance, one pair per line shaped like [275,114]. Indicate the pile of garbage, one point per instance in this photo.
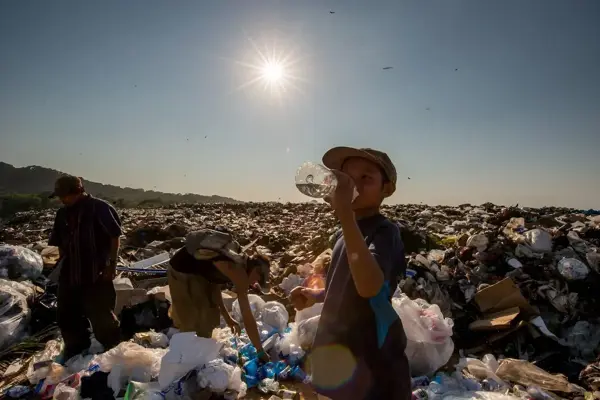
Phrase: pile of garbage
[497,302]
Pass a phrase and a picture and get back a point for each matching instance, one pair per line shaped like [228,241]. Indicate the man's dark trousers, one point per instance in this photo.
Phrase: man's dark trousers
[80,305]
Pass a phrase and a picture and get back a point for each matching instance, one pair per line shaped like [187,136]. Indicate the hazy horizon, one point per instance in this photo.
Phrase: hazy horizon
[304,199]
[486,101]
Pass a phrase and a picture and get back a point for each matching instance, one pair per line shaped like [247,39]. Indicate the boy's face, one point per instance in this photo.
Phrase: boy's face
[369,181]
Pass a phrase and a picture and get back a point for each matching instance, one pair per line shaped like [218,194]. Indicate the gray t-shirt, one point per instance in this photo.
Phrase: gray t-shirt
[358,352]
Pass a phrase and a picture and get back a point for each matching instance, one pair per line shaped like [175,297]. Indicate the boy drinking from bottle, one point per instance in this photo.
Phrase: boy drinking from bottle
[358,352]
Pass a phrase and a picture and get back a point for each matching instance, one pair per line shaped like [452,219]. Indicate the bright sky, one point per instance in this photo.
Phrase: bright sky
[487,100]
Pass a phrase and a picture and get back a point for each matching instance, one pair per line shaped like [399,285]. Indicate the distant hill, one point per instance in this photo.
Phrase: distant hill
[36,180]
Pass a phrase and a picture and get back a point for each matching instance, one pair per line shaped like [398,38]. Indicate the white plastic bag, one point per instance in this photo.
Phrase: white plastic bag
[236,384]
[307,330]
[309,312]
[129,361]
[186,352]
[291,281]
[215,375]
[52,349]
[256,305]
[65,392]
[301,336]
[275,315]
[14,315]
[429,334]
[19,263]
[224,337]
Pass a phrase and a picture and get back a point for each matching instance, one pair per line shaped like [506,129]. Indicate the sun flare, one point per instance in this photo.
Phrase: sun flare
[275,68]
[273,72]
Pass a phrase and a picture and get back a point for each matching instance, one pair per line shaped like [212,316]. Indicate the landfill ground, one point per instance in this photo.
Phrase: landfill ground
[497,302]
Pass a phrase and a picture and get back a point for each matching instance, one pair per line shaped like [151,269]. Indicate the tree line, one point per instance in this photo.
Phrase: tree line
[10,204]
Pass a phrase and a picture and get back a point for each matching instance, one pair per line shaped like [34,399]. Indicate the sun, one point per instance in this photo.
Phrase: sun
[274,68]
[273,72]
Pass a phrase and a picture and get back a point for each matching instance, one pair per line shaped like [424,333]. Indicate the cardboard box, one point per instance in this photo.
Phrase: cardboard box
[501,304]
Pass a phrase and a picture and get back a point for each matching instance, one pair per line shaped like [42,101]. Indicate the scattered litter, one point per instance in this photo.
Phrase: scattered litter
[497,303]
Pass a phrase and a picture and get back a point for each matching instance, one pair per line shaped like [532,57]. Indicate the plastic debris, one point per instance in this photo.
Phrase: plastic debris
[551,256]
[19,263]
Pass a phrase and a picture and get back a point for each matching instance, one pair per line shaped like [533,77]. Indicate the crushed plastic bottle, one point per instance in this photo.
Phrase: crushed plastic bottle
[317,181]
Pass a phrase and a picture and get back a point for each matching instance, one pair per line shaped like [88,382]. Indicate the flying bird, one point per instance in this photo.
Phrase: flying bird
[331,12]
[409,178]
[386,68]
[455,69]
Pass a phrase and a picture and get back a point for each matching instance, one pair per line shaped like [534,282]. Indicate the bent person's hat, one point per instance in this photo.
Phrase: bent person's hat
[335,158]
[67,185]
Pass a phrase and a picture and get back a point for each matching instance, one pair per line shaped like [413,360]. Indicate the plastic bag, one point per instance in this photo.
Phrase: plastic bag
[215,375]
[290,346]
[65,392]
[47,388]
[36,371]
[236,384]
[19,263]
[129,361]
[187,351]
[26,288]
[573,269]
[14,315]
[480,242]
[539,241]
[151,339]
[429,343]
[275,315]
[307,330]
[291,281]
[309,312]
[256,305]
[265,331]
[79,363]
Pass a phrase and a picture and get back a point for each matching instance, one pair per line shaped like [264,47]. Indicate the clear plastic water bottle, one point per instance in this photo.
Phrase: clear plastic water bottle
[315,180]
